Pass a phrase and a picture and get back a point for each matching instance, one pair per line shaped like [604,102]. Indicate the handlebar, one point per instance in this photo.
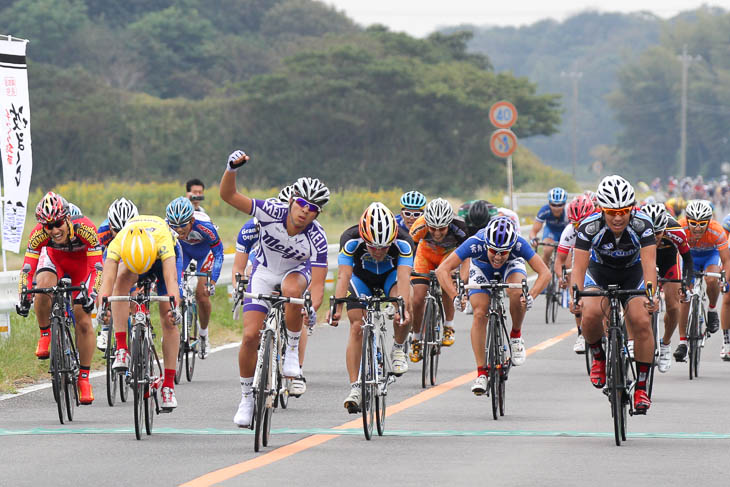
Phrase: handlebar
[63,287]
[612,291]
[366,300]
[501,285]
[135,299]
[546,244]
[277,298]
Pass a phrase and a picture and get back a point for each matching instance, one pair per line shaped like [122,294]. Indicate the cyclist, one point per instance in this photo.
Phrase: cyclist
[375,256]
[199,241]
[292,251]
[480,211]
[146,247]
[617,246]
[554,218]
[412,204]
[438,233]
[579,208]
[496,249]
[709,246]
[675,206]
[671,244]
[72,250]
[246,245]
[119,212]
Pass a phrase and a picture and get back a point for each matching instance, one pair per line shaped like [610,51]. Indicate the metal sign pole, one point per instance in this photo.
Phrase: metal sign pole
[510,182]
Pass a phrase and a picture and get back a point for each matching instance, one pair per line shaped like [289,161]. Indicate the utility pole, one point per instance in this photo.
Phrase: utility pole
[574,76]
[686,61]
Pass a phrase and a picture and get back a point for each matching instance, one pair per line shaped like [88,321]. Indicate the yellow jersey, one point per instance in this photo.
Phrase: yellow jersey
[159,230]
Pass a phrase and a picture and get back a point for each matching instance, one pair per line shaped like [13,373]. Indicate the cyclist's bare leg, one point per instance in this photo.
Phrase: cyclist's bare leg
[354,343]
[204,305]
[85,335]
[293,286]
[419,303]
[303,346]
[449,310]
[713,285]
[253,321]
[592,317]
[638,323]
[170,335]
[120,310]
[671,314]
[42,302]
[516,311]
[683,319]
[725,315]
[480,305]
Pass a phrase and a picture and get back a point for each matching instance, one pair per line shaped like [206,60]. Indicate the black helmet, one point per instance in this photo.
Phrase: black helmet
[478,215]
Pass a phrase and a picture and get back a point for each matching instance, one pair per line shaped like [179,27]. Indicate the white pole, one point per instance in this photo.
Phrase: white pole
[510,182]
[2,220]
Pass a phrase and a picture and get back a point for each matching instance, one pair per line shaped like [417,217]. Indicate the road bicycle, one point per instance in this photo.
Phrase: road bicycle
[145,370]
[376,368]
[64,364]
[498,349]
[114,380]
[189,327]
[433,329]
[620,369]
[697,332]
[553,293]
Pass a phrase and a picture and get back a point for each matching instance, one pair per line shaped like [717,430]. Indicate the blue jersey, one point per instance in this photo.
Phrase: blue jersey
[475,248]
[552,222]
[354,253]
[202,240]
[248,237]
[401,223]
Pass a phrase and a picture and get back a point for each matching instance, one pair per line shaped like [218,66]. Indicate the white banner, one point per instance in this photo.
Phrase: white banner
[15,151]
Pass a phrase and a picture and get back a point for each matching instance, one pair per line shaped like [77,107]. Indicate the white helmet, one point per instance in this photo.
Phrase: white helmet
[658,214]
[73,210]
[120,212]
[312,190]
[439,213]
[699,210]
[285,194]
[615,192]
[378,226]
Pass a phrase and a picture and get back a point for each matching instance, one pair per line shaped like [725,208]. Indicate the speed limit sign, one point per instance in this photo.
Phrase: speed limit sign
[503,142]
[503,114]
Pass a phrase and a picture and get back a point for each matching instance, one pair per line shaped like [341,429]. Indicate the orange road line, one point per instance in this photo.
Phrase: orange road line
[280,453]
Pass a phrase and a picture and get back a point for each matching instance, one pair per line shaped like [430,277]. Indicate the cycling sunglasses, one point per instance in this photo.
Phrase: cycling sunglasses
[498,252]
[698,223]
[179,226]
[376,247]
[306,204]
[558,205]
[617,211]
[52,225]
[412,213]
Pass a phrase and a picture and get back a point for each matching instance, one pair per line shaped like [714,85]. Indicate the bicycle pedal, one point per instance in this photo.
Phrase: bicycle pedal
[166,410]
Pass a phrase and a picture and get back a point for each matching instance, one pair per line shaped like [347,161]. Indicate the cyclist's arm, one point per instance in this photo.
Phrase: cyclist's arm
[171,276]
[403,280]
[725,259]
[316,289]
[217,250]
[560,259]
[108,278]
[344,274]
[230,195]
[240,260]
[536,227]
[543,275]
[648,264]
[464,270]
[443,273]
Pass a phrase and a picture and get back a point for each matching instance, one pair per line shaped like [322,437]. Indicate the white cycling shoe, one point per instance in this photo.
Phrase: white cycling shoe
[519,355]
[245,411]
[352,401]
[101,340]
[580,345]
[665,358]
[291,363]
[298,386]
[479,387]
[400,364]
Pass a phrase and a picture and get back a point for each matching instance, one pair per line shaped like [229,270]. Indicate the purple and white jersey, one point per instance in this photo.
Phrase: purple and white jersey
[279,252]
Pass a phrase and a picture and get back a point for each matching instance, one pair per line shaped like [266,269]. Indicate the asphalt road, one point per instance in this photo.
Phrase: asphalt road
[557,429]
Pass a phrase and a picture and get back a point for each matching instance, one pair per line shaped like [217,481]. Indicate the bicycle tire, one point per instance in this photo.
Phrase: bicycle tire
[150,392]
[555,303]
[182,347]
[260,391]
[272,393]
[436,349]
[138,381]
[650,378]
[124,382]
[613,380]
[589,359]
[192,350]
[57,375]
[367,375]
[504,371]
[548,301]
[379,394]
[492,362]
[692,332]
[428,332]
[111,376]
[283,382]
[698,346]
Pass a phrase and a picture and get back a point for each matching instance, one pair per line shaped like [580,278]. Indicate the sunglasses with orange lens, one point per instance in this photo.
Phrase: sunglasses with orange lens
[698,223]
[499,253]
[617,211]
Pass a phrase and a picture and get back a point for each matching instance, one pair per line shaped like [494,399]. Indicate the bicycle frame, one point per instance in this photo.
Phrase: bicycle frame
[432,333]
[697,317]
[552,292]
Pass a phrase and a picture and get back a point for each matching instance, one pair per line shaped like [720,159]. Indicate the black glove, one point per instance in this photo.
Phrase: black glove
[23,308]
[88,305]
[237,159]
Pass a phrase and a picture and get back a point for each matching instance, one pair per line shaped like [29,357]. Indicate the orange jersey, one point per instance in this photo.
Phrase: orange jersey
[714,237]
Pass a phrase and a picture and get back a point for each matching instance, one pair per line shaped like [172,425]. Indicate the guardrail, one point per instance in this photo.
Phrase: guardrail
[532,199]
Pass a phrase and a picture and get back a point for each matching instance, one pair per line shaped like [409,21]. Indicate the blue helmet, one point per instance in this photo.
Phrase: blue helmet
[557,196]
[413,200]
[500,233]
[179,211]
[726,222]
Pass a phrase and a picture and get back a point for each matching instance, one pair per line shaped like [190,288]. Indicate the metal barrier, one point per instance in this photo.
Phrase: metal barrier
[532,199]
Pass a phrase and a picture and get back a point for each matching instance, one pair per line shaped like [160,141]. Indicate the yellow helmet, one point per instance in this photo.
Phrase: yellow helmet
[139,249]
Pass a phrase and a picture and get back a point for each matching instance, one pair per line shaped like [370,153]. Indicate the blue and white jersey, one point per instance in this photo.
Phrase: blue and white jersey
[202,240]
[552,222]
[280,252]
[475,248]
[401,223]
[248,236]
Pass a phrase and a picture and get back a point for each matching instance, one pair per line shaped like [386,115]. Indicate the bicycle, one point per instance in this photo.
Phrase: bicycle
[189,327]
[498,348]
[376,369]
[64,367]
[433,329]
[697,333]
[268,382]
[114,379]
[553,293]
[620,370]
[145,371]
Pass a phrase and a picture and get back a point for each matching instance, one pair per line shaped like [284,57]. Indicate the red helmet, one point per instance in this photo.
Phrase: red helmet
[51,208]
[580,207]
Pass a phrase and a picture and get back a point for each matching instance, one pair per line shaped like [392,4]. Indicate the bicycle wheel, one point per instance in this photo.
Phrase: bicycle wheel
[436,348]
[192,336]
[367,378]
[615,387]
[150,392]
[182,348]
[548,301]
[692,334]
[698,343]
[589,358]
[58,378]
[111,376]
[428,339]
[492,364]
[274,379]
[138,382]
[650,378]
[260,390]
[380,394]
[283,382]
[506,362]
[556,301]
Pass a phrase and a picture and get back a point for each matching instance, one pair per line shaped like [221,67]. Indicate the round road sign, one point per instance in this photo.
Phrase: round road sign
[503,114]
[503,142]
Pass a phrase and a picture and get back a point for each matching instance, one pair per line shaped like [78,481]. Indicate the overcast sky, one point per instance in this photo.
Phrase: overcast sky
[420,17]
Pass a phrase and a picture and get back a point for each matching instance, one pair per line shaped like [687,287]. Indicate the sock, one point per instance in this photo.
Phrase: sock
[246,386]
[203,332]
[642,372]
[449,323]
[399,346]
[597,350]
[45,332]
[355,385]
[293,339]
[683,339]
[84,373]
[712,308]
[481,371]
[515,333]
[169,378]
[121,337]
[725,336]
